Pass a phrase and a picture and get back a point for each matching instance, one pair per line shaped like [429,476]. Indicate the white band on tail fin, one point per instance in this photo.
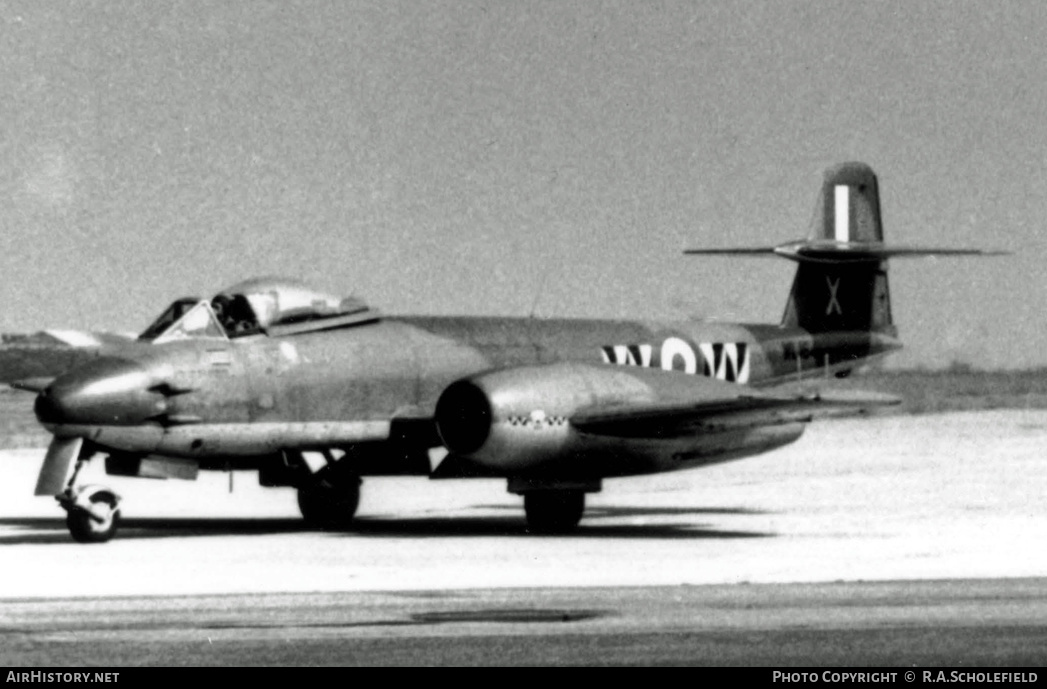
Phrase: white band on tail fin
[842,213]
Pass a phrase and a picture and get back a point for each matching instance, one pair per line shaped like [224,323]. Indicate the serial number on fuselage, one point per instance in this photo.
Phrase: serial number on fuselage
[799,349]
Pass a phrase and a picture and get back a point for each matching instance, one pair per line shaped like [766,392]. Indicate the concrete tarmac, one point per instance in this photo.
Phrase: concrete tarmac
[900,624]
[885,540]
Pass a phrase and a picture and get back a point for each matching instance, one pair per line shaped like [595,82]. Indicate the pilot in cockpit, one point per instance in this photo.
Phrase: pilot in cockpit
[218,305]
[235,314]
[254,307]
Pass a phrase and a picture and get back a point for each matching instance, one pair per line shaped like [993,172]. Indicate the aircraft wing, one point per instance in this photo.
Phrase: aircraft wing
[38,384]
[32,361]
[747,409]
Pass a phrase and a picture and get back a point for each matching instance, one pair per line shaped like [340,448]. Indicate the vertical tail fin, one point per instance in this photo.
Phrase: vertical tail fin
[849,208]
[841,279]
[841,290]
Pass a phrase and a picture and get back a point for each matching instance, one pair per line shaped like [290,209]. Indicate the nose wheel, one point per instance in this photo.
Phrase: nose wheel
[92,514]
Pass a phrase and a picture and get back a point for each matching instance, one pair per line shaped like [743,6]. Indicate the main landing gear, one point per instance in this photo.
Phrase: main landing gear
[328,500]
[328,485]
[553,511]
[553,506]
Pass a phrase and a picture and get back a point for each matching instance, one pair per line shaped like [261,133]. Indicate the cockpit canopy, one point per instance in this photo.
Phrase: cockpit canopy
[265,305]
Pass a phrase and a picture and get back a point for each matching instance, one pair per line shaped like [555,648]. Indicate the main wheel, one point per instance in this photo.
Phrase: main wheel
[97,524]
[553,511]
[327,503]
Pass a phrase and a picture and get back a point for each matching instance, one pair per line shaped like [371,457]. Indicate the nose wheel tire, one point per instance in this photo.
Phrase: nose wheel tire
[328,504]
[94,520]
[553,511]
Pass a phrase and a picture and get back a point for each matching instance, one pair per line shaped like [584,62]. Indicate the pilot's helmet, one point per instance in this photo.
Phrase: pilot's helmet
[220,305]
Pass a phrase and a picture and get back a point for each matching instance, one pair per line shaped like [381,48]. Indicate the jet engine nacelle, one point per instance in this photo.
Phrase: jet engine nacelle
[517,419]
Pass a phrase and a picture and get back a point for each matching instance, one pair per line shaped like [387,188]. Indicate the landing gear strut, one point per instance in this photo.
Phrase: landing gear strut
[329,499]
[553,511]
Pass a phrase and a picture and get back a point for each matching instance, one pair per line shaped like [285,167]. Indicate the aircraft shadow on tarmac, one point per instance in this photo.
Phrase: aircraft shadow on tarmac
[43,530]
[594,524]
[39,530]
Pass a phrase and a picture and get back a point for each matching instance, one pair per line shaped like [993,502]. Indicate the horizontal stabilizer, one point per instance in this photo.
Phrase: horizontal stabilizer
[847,226]
[828,251]
[735,251]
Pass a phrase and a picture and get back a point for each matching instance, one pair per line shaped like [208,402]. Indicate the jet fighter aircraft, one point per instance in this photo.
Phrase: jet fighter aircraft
[314,391]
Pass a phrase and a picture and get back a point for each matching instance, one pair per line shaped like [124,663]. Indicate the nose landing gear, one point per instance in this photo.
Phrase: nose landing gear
[92,513]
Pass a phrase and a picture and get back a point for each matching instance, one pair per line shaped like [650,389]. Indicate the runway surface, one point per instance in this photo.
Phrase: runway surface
[889,540]
[952,623]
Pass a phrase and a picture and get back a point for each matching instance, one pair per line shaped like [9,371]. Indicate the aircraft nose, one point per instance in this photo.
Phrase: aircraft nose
[106,391]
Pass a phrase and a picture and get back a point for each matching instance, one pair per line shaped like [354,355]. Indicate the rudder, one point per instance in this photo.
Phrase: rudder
[840,297]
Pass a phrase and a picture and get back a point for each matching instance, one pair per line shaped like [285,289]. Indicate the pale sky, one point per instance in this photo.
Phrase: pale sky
[503,157]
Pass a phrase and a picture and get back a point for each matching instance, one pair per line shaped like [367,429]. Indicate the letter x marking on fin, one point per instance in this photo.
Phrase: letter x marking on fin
[834,303]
